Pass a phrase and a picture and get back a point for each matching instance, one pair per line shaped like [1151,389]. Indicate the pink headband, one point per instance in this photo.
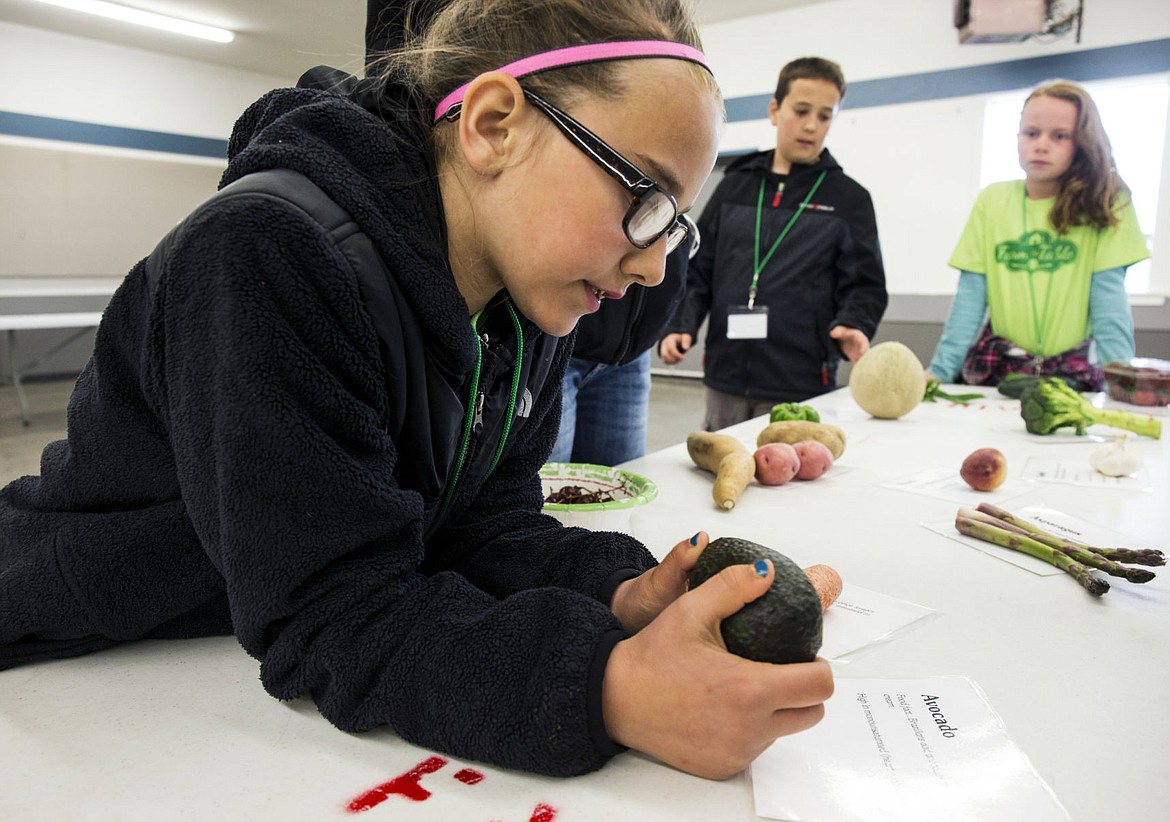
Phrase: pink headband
[576,55]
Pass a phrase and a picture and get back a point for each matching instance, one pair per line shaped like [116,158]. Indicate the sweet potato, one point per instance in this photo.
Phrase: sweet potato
[776,463]
[735,474]
[827,582]
[728,459]
[794,431]
[815,458]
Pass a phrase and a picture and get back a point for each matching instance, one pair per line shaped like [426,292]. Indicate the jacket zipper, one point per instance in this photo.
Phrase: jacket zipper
[477,425]
[465,441]
[480,397]
[474,420]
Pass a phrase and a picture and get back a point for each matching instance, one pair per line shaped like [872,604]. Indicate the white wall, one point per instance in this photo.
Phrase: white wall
[920,161]
[56,75]
[79,211]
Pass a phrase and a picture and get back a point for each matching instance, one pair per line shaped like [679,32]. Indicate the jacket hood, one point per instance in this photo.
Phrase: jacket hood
[761,162]
[375,164]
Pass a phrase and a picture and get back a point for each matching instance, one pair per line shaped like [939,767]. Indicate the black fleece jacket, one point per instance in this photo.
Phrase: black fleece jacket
[827,271]
[272,419]
[622,330]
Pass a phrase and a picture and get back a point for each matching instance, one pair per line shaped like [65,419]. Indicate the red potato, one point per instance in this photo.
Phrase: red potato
[815,459]
[776,463]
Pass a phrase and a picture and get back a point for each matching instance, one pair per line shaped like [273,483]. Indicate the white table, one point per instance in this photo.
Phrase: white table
[80,321]
[174,730]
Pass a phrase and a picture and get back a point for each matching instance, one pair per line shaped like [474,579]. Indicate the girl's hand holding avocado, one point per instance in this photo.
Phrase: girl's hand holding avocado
[674,691]
[639,600]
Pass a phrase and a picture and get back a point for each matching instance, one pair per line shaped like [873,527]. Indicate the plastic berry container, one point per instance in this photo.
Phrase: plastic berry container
[1140,381]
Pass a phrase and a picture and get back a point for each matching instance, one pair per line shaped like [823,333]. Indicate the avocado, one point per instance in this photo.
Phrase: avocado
[783,625]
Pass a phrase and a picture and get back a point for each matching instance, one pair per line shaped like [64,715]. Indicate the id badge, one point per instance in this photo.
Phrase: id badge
[745,323]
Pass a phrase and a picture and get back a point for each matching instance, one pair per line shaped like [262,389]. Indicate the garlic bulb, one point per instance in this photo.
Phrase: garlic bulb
[1113,460]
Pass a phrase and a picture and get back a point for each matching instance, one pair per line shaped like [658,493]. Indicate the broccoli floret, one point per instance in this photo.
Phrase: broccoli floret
[1050,404]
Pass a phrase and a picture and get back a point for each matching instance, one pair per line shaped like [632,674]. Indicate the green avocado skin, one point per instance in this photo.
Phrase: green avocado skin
[782,626]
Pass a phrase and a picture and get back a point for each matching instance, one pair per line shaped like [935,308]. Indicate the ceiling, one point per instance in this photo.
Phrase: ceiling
[277,37]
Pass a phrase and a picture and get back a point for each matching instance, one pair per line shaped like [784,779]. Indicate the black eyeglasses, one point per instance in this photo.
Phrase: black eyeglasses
[653,212]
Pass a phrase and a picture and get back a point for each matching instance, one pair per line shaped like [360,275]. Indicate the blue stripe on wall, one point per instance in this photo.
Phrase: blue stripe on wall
[72,131]
[1084,66]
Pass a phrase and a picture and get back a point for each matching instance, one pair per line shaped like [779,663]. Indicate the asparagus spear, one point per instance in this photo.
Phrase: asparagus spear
[1134,556]
[934,392]
[1141,556]
[1085,556]
[1025,544]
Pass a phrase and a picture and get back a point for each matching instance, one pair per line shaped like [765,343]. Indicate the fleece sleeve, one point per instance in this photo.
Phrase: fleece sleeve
[967,313]
[506,546]
[274,393]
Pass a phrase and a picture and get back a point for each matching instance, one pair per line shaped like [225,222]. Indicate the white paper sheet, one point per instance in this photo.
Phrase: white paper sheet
[945,483]
[903,750]
[1020,560]
[1041,469]
[1049,519]
[861,617]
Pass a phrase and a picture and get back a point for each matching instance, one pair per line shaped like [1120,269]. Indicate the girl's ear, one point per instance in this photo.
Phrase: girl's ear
[490,123]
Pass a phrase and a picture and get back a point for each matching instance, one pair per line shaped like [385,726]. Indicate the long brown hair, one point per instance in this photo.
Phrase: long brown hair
[1091,188]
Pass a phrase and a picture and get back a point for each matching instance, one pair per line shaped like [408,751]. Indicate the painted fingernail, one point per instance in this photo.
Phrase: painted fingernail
[695,539]
[761,567]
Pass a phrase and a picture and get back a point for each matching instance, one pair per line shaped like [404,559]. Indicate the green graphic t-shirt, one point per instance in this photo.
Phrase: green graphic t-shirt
[1038,280]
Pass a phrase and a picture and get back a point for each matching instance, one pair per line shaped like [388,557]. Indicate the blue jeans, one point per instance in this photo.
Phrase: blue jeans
[603,412]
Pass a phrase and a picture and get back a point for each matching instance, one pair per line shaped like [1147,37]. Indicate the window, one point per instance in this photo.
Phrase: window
[1134,112]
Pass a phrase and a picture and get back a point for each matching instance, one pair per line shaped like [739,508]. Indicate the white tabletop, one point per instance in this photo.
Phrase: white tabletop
[168,730]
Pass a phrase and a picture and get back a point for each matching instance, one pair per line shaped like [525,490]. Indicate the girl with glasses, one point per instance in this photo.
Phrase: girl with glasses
[315,413]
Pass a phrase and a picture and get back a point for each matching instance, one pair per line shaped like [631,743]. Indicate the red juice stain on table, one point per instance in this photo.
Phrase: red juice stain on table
[409,785]
[469,777]
[405,785]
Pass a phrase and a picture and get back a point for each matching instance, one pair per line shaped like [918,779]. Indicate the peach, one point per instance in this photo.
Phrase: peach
[984,469]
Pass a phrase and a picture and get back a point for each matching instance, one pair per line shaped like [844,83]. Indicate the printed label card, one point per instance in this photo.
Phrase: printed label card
[861,617]
[1039,469]
[1051,520]
[902,750]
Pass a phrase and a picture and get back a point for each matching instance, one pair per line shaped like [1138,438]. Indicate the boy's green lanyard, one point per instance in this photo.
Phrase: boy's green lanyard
[1038,316]
[759,266]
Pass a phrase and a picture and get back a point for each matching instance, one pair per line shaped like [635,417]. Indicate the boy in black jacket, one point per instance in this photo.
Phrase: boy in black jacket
[789,272]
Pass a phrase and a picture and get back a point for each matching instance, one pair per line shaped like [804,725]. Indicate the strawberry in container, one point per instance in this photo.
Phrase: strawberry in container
[1139,381]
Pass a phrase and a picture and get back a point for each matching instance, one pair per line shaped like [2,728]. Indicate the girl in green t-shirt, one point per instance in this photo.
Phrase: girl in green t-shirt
[1044,258]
